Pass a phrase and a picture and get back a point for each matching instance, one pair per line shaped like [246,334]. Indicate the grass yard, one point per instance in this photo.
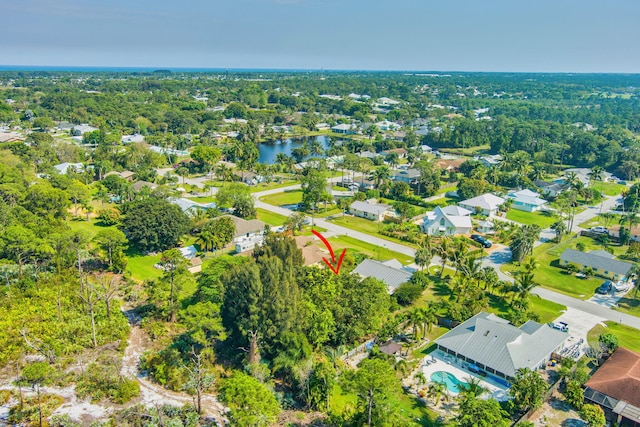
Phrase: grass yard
[550,275]
[630,305]
[414,412]
[365,226]
[448,187]
[628,337]
[91,227]
[141,266]
[375,252]
[271,185]
[609,188]
[544,220]
[285,198]
[270,218]
[203,199]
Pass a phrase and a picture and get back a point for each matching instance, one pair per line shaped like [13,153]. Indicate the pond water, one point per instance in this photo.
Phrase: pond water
[269,150]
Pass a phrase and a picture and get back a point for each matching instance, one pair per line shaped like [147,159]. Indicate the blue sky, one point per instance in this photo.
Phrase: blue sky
[460,35]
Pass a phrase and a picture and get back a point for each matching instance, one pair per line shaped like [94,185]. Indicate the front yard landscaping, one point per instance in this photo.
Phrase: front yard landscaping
[375,252]
[291,197]
[271,218]
[543,219]
[628,337]
[366,226]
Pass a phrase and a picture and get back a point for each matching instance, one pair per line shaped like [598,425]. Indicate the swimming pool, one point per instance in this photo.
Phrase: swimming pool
[449,380]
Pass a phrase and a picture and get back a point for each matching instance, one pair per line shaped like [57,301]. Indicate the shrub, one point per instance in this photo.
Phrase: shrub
[407,293]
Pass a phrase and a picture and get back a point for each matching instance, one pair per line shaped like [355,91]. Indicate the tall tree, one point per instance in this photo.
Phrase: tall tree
[374,383]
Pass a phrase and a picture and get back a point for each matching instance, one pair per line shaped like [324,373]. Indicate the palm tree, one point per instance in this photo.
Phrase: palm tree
[416,321]
[281,160]
[560,228]
[444,251]
[530,265]
[523,285]
[471,389]
[380,175]
[436,391]
[429,318]
[420,379]
[206,239]
[423,257]
[595,174]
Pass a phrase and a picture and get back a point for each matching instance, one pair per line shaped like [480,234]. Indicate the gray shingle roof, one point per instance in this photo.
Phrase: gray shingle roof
[493,342]
[244,226]
[391,276]
[375,209]
[596,261]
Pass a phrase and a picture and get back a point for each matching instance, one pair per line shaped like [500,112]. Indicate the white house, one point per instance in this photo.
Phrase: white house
[387,125]
[488,204]
[447,221]
[249,233]
[189,206]
[129,139]
[372,211]
[63,168]
[526,200]
[390,272]
[343,128]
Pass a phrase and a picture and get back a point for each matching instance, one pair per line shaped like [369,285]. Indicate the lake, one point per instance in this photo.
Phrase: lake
[269,150]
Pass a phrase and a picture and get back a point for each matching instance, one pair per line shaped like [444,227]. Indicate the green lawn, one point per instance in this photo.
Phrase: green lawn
[375,252]
[270,218]
[91,227]
[414,412]
[628,337]
[609,188]
[630,305]
[366,226]
[544,220]
[271,185]
[203,199]
[141,266]
[550,275]
[446,188]
[284,198]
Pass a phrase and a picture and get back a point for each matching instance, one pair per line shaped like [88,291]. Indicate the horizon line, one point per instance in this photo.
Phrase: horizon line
[81,68]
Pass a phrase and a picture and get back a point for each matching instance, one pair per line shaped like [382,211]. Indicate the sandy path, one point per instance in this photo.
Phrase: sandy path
[152,394]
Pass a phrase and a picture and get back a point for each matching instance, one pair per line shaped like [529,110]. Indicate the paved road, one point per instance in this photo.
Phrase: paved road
[332,229]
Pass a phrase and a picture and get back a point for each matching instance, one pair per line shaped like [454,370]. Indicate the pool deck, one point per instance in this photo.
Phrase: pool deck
[448,363]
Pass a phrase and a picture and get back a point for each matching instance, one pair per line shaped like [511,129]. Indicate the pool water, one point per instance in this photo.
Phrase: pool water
[449,380]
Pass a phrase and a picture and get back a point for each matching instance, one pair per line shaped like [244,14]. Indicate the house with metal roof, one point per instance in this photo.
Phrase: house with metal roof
[65,167]
[447,221]
[488,204]
[616,388]
[391,272]
[410,176]
[491,344]
[189,206]
[526,200]
[343,128]
[372,211]
[602,264]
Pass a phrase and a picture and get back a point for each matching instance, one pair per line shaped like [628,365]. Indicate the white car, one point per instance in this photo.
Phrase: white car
[561,326]
[599,229]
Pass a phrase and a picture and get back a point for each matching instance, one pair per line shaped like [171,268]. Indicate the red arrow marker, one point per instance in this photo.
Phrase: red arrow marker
[336,270]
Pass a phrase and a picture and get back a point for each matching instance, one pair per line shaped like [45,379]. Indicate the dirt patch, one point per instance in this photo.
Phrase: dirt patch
[557,412]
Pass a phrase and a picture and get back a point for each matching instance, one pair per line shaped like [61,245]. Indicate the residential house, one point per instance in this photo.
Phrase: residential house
[614,231]
[489,160]
[387,125]
[391,272]
[249,233]
[126,175]
[139,185]
[369,210]
[447,221]
[426,149]
[490,344]
[130,139]
[401,152]
[387,101]
[195,263]
[486,227]
[582,174]
[249,178]
[552,188]
[10,137]
[450,165]
[190,207]
[487,204]
[526,200]
[343,128]
[368,155]
[410,176]
[65,167]
[311,253]
[603,263]
[615,387]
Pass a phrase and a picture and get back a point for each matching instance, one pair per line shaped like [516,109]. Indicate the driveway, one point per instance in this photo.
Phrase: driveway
[580,323]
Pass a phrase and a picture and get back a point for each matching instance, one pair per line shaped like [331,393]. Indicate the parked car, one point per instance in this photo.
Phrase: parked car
[561,326]
[484,242]
[605,288]
[599,229]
